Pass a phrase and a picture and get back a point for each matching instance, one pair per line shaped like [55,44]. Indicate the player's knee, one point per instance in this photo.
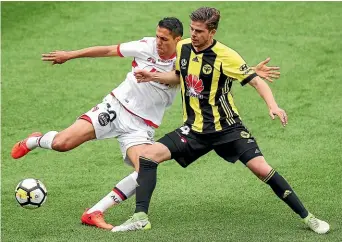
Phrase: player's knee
[147,154]
[259,167]
[62,144]
[151,154]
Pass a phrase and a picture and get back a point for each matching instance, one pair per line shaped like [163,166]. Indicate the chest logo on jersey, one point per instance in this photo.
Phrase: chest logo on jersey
[194,86]
[207,69]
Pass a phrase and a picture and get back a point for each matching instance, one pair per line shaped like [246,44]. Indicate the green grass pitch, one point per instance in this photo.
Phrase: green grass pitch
[210,200]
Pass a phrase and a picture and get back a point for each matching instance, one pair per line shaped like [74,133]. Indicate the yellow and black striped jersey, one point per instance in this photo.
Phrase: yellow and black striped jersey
[206,80]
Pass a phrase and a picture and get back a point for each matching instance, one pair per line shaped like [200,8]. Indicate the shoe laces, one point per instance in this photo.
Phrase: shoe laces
[314,222]
[129,221]
[132,224]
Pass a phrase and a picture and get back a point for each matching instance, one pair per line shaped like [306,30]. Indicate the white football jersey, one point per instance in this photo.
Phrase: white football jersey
[147,100]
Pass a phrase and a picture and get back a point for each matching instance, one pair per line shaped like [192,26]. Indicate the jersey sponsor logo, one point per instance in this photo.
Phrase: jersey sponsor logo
[165,61]
[245,69]
[194,86]
[152,60]
[103,119]
[207,69]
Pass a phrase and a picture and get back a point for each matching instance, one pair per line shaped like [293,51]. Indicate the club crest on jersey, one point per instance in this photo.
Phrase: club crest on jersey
[194,86]
[207,69]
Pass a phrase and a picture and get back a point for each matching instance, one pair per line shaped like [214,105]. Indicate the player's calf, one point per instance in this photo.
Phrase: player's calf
[285,192]
[73,136]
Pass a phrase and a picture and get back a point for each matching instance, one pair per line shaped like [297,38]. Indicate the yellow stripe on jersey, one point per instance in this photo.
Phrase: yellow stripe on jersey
[195,69]
[213,91]
[182,83]
[232,63]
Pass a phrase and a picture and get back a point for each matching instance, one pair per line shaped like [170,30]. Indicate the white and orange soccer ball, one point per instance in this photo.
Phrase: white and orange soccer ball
[30,193]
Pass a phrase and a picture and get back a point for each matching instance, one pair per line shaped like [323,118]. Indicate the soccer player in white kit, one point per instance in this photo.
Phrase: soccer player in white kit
[129,113]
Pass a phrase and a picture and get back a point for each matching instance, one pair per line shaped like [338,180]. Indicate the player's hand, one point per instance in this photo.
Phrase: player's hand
[267,72]
[56,57]
[143,75]
[280,113]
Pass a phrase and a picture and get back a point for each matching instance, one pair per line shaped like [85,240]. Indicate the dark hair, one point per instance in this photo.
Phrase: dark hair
[173,25]
[209,16]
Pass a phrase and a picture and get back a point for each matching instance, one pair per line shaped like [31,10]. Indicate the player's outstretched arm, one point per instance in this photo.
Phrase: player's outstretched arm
[59,57]
[170,78]
[267,72]
[265,92]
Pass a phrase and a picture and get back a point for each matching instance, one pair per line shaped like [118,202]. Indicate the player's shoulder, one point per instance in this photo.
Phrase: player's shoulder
[146,44]
[184,41]
[150,41]
[222,49]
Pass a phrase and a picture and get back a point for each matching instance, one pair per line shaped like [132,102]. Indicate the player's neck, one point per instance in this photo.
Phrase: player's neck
[209,43]
[168,56]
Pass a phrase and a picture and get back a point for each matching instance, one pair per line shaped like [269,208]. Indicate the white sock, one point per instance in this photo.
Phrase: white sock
[32,142]
[44,141]
[123,190]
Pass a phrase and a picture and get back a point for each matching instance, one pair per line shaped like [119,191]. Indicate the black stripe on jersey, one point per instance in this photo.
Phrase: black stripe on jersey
[185,55]
[248,79]
[208,58]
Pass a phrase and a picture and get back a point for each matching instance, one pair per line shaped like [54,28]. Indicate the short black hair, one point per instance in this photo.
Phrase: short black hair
[174,25]
[209,16]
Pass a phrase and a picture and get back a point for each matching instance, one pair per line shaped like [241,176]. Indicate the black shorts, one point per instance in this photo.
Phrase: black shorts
[234,144]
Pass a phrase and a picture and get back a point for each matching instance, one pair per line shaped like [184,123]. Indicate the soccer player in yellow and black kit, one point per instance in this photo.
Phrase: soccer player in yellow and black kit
[206,68]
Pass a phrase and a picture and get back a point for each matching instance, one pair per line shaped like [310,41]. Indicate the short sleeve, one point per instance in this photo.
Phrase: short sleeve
[133,48]
[235,67]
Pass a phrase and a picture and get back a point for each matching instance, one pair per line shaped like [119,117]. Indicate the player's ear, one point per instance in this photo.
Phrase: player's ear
[212,32]
[177,39]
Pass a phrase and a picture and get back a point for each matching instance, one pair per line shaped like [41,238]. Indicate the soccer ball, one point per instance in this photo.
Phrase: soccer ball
[30,193]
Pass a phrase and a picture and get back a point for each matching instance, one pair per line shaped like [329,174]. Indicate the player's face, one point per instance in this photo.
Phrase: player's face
[166,44]
[200,35]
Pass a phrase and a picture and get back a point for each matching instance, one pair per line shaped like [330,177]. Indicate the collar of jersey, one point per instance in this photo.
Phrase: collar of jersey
[202,51]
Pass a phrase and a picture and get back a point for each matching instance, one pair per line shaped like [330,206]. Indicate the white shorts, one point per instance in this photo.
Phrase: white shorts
[111,120]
